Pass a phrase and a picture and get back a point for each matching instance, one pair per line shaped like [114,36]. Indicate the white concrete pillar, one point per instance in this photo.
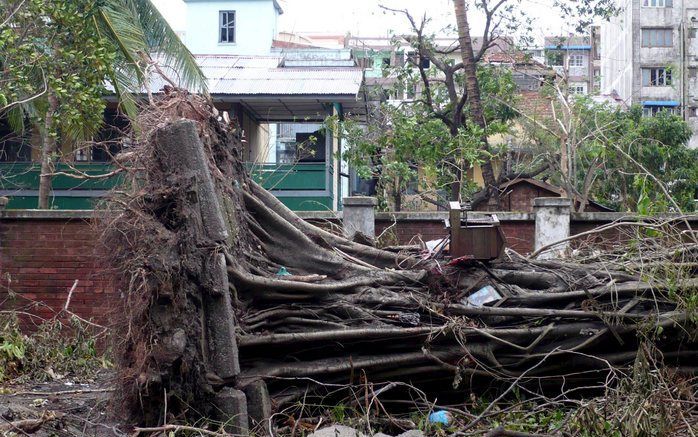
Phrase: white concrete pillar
[359,216]
[552,224]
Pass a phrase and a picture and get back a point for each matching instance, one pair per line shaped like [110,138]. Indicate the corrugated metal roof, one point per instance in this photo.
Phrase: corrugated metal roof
[262,75]
[289,82]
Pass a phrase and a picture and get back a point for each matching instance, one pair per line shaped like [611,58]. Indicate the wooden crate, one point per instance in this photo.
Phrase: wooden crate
[478,237]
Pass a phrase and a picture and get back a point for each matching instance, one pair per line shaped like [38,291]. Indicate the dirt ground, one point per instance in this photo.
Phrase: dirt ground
[63,407]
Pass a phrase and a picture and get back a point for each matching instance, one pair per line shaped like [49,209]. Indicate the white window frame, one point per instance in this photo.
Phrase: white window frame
[656,77]
[230,27]
[657,3]
[651,111]
[575,60]
[578,89]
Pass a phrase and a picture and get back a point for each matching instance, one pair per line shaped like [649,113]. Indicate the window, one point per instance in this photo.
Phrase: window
[109,141]
[576,60]
[658,3]
[366,63]
[656,77]
[227,26]
[651,111]
[386,62]
[300,143]
[414,60]
[579,89]
[657,37]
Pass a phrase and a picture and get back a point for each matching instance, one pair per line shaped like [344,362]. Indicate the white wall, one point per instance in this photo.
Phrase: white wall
[255,22]
[617,52]
[578,72]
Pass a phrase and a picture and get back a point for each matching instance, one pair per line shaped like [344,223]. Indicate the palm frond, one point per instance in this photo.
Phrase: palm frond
[165,43]
[15,119]
[126,90]
[123,28]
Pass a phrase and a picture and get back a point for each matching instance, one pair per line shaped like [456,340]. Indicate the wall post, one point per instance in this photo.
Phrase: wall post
[359,216]
[552,224]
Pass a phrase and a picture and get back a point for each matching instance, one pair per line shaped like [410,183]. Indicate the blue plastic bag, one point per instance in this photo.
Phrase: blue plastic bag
[441,416]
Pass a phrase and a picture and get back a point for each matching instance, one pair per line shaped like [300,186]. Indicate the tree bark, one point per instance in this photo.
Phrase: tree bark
[473,89]
[48,148]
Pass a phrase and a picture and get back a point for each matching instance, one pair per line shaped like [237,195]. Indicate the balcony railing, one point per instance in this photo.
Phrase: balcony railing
[301,186]
[290,177]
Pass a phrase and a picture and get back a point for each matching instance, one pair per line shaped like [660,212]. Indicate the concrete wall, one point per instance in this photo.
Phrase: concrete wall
[617,52]
[255,26]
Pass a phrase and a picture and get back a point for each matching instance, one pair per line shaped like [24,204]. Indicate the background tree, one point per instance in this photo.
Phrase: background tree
[405,145]
[616,156]
[450,92]
[58,56]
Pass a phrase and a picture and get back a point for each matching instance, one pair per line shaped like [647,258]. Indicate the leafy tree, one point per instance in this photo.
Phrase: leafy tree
[450,93]
[619,157]
[406,144]
[639,158]
[56,57]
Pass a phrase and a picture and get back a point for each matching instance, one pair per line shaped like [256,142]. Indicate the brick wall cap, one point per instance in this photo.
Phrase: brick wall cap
[360,201]
[547,202]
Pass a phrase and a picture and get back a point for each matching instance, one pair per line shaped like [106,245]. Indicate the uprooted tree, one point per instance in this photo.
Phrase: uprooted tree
[210,322]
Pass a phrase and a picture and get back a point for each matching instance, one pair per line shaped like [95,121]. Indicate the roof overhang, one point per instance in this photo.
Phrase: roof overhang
[270,93]
[284,108]
[567,47]
[672,103]
[276,4]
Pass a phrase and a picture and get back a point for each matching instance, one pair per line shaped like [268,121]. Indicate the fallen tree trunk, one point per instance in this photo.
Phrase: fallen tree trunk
[201,244]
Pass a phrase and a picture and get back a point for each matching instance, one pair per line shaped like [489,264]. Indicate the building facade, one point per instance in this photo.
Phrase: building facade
[650,57]
[572,57]
[224,27]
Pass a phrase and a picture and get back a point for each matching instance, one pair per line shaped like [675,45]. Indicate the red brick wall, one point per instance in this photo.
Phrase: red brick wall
[407,231]
[519,233]
[40,260]
[519,198]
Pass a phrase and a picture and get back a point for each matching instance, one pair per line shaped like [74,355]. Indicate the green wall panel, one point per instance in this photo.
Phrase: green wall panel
[60,202]
[25,175]
[280,178]
[307,203]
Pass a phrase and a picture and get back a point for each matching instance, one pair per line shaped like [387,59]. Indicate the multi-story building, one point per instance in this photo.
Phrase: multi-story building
[650,57]
[572,57]
[596,60]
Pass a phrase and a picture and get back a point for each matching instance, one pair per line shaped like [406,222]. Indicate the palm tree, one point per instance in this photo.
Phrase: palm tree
[135,33]
[138,30]
[471,85]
